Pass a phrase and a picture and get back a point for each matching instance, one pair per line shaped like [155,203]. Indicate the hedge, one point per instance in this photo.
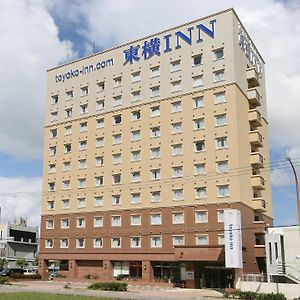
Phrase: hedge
[3,279]
[22,276]
[254,296]
[109,286]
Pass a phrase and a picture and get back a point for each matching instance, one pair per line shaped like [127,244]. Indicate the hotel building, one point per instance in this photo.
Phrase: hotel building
[146,144]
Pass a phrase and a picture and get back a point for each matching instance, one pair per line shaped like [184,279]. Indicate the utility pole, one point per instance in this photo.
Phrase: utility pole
[297,189]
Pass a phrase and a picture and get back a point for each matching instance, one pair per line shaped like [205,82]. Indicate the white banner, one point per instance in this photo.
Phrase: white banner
[233,239]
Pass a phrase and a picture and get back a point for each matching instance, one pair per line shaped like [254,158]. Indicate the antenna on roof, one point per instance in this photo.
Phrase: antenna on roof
[94,47]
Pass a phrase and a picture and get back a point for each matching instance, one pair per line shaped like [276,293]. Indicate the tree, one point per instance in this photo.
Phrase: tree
[3,262]
[22,262]
[36,261]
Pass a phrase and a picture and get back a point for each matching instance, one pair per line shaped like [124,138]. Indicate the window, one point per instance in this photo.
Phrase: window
[136,96]
[155,219]
[116,221]
[49,224]
[202,240]
[80,243]
[99,142]
[220,215]
[68,112]
[155,174]
[223,190]
[197,81]
[100,86]
[117,139]
[177,149]
[80,222]
[54,99]
[200,169]
[154,72]
[117,101]
[51,186]
[53,133]
[136,155]
[54,116]
[99,201]
[52,168]
[135,220]
[49,243]
[136,115]
[218,54]
[178,240]
[221,239]
[116,178]
[66,184]
[52,151]
[81,202]
[117,82]
[175,66]
[197,60]
[136,135]
[155,131]
[67,166]
[199,146]
[100,123]
[64,223]
[82,145]
[100,105]
[98,243]
[176,127]
[219,75]
[177,194]
[136,176]
[65,203]
[69,95]
[200,192]
[155,91]
[198,102]
[117,119]
[177,171]
[135,198]
[83,126]
[155,196]
[99,181]
[68,148]
[136,242]
[81,183]
[83,109]
[116,242]
[116,199]
[201,217]
[84,91]
[155,152]
[222,166]
[199,124]
[99,161]
[220,120]
[50,205]
[155,111]
[64,243]
[178,218]
[176,107]
[155,241]
[219,98]
[68,130]
[136,76]
[221,142]
[176,86]
[116,158]
[82,164]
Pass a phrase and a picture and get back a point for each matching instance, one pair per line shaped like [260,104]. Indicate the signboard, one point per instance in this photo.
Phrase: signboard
[189,275]
[233,239]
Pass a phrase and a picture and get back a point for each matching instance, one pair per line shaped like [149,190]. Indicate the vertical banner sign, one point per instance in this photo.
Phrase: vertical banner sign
[233,239]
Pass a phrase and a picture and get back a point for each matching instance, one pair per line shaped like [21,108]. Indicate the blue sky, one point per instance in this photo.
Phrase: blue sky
[44,33]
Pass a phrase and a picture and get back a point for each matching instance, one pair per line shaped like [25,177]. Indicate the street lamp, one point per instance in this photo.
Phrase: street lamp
[297,189]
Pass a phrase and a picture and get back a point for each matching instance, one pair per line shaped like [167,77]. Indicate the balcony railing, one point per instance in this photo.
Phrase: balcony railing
[257,160]
[254,97]
[258,182]
[254,117]
[259,204]
[256,138]
[252,77]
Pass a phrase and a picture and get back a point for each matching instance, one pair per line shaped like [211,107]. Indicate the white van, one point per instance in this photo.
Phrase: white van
[30,272]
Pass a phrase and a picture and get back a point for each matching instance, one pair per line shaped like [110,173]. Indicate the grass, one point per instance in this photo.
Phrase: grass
[43,296]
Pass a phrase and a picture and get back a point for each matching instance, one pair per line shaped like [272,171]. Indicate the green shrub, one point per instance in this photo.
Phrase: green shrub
[3,279]
[90,276]
[61,275]
[109,286]
[22,276]
[253,296]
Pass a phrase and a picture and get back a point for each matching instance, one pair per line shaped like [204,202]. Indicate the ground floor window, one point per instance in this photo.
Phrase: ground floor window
[131,269]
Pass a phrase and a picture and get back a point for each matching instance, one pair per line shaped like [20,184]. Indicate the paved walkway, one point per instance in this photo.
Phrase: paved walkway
[134,292]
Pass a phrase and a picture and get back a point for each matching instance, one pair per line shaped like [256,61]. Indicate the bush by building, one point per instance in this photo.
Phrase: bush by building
[109,286]
[253,296]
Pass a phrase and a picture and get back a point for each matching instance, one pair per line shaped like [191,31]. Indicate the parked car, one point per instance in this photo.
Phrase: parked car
[30,272]
[7,272]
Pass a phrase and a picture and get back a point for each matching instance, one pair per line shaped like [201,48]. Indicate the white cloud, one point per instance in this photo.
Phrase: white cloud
[30,45]
[20,197]
[282,177]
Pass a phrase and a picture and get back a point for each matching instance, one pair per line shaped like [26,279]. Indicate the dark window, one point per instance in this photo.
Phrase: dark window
[197,60]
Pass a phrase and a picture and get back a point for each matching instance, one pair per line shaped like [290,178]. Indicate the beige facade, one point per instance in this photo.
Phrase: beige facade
[181,128]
